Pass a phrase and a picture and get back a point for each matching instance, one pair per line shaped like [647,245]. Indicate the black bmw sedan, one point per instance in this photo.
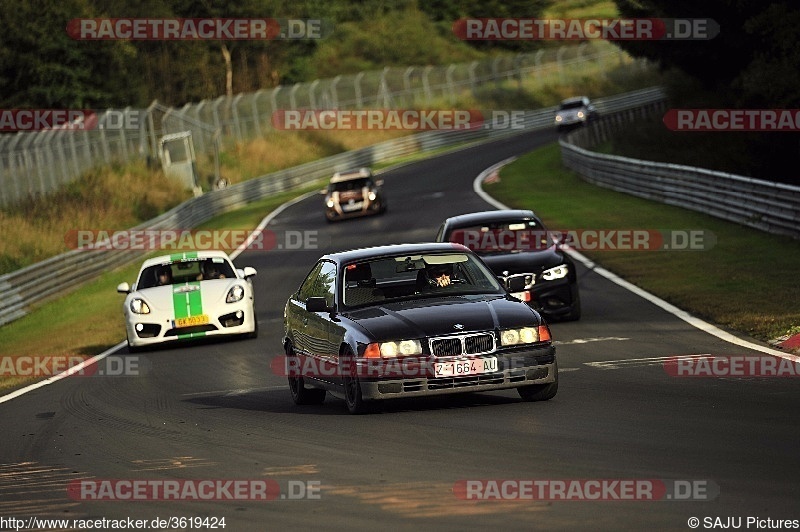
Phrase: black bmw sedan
[411,320]
[519,249]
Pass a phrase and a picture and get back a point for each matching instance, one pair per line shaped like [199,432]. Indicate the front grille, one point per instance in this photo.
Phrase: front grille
[483,343]
[449,347]
[468,344]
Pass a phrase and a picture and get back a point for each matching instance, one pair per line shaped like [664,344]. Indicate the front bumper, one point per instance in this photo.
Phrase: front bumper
[569,124]
[339,212]
[158,328]
[516,368]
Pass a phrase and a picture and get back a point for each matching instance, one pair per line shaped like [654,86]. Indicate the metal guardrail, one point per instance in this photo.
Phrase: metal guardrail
[764,205]
[24,288]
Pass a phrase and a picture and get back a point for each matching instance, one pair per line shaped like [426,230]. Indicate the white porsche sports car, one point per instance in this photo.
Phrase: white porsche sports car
[188,295]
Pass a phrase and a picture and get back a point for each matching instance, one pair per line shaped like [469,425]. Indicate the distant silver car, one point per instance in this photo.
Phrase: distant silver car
[574,112]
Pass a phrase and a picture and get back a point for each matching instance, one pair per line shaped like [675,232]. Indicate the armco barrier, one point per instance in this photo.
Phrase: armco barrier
[764,205]
[24,288]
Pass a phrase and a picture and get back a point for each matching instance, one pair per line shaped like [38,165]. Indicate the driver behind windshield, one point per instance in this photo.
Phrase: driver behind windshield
[439,275]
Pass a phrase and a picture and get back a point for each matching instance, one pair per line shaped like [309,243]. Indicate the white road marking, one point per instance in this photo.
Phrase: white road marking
[637,362]
[644,294]
[71,371]
[587,340]
[238,391]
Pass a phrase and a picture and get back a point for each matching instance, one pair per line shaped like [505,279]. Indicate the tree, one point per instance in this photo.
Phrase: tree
[41,66]
[754,58]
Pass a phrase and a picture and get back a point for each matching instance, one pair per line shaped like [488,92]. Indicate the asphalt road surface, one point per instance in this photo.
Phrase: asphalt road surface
[216,411]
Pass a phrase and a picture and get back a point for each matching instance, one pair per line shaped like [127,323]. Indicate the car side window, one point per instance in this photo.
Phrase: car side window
[307,288]
[321,282]
[326,282]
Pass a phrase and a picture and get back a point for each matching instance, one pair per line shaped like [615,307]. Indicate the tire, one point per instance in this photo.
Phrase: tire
[300,394]
[352,388]
[540,392]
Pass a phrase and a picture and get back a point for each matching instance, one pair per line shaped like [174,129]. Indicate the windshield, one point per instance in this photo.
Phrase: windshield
[350,184]
[503,237]
[185,271]
[577,104]
[412,276]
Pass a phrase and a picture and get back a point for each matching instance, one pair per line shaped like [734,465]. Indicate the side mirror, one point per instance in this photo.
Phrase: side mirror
[248,272]
[324,191]
[317,304]
[379,182]
[124,288]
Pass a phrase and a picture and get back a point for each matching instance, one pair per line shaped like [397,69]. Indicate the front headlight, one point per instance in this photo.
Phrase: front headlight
[330,204]
[393,349]
[138,306]
[581,114]
[236,293]
[559,118]
[559,272]
[525,335]
[372,196]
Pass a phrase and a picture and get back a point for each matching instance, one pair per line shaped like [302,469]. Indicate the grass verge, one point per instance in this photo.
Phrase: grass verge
[747,281]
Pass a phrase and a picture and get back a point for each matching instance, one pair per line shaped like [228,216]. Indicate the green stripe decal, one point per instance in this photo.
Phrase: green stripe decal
[186,303]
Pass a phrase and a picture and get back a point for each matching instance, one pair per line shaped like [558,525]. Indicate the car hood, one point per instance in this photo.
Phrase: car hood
[163,298]
[438,316]
[525,261]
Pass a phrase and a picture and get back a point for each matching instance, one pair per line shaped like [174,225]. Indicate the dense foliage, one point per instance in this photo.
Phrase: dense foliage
[754,63]
[41,66]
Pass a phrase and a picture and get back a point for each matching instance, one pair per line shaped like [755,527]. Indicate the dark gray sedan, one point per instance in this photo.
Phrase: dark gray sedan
[411,320]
